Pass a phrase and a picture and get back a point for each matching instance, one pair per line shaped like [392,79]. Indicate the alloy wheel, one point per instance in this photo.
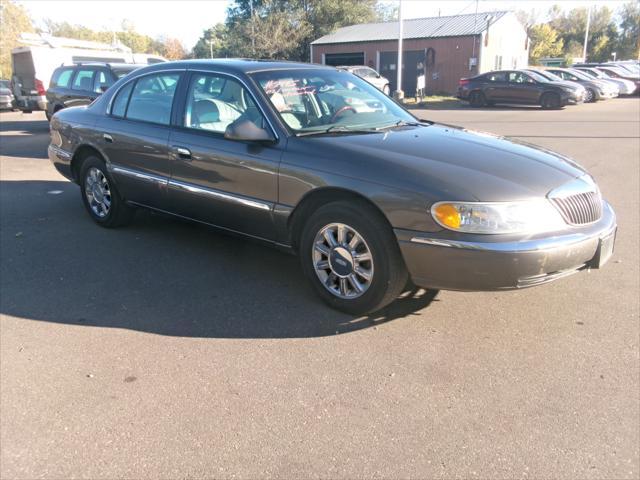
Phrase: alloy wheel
[342,260]
[98,192]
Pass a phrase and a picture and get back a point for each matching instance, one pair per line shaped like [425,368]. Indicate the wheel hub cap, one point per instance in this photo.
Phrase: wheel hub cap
[342,260]
[97,192]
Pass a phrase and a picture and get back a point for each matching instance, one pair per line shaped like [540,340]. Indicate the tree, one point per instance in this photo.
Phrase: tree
[172,49]
[14,20]
[545,42]
[280,28]
[628,45]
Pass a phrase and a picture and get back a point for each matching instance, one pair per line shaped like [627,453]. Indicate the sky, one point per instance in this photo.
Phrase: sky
[186,19]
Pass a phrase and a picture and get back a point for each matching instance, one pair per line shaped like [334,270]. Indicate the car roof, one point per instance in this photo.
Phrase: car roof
[237,65]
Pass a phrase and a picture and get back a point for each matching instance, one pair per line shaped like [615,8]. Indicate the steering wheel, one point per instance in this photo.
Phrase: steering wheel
[340,111]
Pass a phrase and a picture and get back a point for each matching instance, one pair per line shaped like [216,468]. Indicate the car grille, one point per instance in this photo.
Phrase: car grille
[581,208]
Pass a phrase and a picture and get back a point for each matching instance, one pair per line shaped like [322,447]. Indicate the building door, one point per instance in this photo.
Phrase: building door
[338,59]
[413,67]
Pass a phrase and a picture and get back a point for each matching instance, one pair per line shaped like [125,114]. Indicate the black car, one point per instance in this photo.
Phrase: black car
[516,87]
[81,84]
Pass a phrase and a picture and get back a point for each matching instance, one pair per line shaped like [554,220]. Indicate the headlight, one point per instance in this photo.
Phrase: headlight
[498,217]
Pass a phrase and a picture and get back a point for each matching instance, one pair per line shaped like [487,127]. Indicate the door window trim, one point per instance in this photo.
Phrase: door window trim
[134,81]
[183,104]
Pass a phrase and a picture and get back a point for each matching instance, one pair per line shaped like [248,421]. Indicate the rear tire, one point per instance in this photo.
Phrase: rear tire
[590,96]
[477,99]
[100,195]
[359,273]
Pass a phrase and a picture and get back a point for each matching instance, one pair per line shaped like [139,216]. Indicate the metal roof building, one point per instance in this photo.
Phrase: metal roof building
[443,49]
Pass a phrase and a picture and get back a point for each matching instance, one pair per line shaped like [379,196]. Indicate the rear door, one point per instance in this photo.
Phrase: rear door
[134,136]
[59,87]
[81,92]
[228,183]
[495,86]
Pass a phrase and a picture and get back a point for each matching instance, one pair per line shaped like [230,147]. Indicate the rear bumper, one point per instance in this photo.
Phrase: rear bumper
[61,160]
[31,103]
[435,261]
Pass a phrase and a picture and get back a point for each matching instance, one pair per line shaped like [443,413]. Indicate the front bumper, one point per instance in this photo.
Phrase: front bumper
[439,261]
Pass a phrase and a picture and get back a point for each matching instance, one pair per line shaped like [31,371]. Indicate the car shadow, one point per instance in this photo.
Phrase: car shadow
[160,275]
[460,105]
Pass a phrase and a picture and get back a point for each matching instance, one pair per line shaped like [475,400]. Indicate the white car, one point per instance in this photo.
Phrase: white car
[370,75]
[626,87]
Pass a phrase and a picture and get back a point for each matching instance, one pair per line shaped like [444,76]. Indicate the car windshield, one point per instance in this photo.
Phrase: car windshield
[537,76]
[122,71]
[580,75]
[588,73]
[551,76]
[315,101]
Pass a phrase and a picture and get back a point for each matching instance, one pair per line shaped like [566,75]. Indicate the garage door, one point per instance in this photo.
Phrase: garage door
[335,59]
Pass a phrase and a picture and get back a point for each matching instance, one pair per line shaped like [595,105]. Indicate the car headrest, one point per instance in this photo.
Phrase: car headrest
[85,83]
[205,111]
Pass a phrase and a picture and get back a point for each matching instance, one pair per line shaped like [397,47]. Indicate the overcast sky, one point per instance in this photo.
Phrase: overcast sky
[186,19]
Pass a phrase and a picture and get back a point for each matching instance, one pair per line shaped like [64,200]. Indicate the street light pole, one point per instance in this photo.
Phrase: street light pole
[399,94]
[586,36]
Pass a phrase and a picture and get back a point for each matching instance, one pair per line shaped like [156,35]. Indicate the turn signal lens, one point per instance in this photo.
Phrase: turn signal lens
[447,215]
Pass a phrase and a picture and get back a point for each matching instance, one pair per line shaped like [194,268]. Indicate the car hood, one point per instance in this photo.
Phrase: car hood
[446,162]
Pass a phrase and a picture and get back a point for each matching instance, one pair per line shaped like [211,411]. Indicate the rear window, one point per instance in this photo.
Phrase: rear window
[152,98]
[61,77]
[496,77]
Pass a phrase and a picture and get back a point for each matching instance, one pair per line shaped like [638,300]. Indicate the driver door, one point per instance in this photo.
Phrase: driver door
[228,183]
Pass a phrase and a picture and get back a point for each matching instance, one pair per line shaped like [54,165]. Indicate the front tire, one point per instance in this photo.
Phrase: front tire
[100,195]
[351,257]
[550,101]
[590,96]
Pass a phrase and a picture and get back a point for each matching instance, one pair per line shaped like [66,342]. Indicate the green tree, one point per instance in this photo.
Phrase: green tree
[545,42]
[628,45]
[14,20]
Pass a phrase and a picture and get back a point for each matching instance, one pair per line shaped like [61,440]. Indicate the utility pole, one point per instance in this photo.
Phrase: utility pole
[253,34]
[399,94]
[586,36]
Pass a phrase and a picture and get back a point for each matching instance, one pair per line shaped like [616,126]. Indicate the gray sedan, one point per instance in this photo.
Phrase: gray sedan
[319,162]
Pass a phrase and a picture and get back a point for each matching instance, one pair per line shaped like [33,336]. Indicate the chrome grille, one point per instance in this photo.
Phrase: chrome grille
[581,208]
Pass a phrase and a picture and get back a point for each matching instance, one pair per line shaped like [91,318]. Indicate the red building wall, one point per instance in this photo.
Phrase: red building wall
[451,57]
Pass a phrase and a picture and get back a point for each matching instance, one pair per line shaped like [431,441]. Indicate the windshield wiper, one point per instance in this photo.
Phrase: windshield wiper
[403,123]
[336,129]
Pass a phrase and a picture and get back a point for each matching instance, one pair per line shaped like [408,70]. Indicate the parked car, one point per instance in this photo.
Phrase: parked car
[596,89]
[515,87]
[625,87]
[624,74]
[81,84]
[370,75]
[7,99]
[580,91]
[368,200]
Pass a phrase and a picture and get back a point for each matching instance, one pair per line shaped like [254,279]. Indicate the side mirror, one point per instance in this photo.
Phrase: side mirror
[378,75]
[104,88]
[245,130]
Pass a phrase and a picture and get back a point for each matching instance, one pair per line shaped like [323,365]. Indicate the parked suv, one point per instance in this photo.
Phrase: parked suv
[370,75]
[81,84]
[516,87]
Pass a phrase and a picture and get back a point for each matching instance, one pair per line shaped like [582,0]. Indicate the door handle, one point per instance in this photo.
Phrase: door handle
[107,138]
[182,153]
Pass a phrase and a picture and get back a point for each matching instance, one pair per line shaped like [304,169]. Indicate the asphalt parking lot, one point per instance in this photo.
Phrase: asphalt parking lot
[168,350]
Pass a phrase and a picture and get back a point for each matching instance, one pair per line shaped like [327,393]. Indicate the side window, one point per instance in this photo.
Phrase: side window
[152,98]
[215,101]
[496,77]
[119,106]
[61,77]
[101,82]
[519,77]
[83,80]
